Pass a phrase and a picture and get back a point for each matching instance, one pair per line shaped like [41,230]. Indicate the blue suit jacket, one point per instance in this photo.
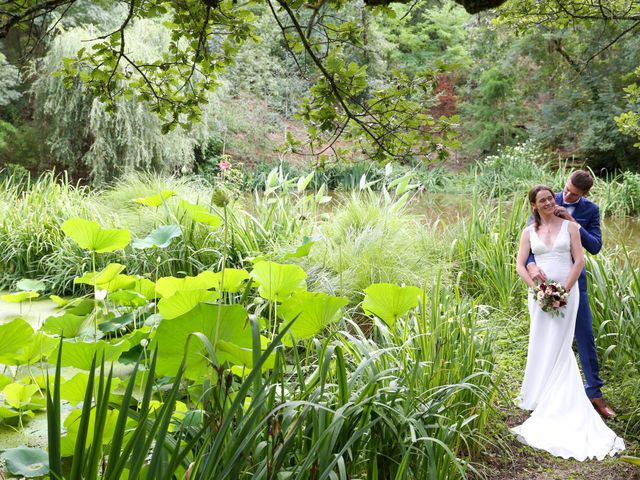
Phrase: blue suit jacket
[587,214]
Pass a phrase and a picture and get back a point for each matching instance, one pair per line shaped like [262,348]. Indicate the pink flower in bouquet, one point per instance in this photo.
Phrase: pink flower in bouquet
[224,165]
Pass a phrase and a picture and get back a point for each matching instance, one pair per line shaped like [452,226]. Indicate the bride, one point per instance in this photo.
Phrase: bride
[563,421]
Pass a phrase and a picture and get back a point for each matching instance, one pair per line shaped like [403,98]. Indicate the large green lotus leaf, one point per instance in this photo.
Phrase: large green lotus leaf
[14,336]
[168,286]
[233,280]
[59,301]
[67,325]
[18,297]
[80,306]
[226,323]
[39,347]
[389,302]
[119,282]
[28,285]
[101,278]
[145,287]
[314,311]
[128,298]
[184,301]
[159,238]
[91,236]
[19,396]
[7,413]
[80,354]
[277,281]
[4,381]
[155,200]
[26,461]
[199,214]
[74,389]
[72,424]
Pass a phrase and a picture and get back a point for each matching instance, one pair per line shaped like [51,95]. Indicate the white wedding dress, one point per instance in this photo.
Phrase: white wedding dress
[563,421]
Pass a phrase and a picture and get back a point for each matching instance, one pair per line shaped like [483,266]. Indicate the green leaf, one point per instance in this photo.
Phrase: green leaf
[155,200]
[80,354]
[19,297]
[108,278]
[389,302]
[18,395]
[91,236]
[27,462]
[39,347]
[629,459]
[184,301]
[312,312]
[67,325]
[233,281]
[219,323]
[304,249]
[277,281]
[72,424]
[75,389]
[27,285]
[200,214]
[13,336]
[159,238]
[168,286]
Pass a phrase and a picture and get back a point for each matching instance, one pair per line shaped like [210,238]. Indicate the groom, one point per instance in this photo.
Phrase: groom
[573,206]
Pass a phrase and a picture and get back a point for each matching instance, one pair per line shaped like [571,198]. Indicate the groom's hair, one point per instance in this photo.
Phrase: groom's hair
[582,180]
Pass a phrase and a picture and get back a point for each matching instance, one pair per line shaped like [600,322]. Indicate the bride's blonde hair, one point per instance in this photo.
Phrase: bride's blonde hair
[533,194]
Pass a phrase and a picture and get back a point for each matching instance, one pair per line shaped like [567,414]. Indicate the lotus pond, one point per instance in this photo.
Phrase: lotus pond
[187,336]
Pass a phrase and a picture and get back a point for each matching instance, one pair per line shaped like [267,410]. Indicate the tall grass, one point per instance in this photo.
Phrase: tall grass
[370,238]
[486,251]
[32,212]
[618,196]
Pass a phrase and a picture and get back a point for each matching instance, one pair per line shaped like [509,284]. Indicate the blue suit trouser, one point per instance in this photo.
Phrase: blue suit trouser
[587,346]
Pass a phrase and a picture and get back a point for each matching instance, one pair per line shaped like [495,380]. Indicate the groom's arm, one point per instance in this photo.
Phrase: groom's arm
[590,233]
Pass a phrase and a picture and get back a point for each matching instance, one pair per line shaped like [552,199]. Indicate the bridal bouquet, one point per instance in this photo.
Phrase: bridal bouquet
[551,296]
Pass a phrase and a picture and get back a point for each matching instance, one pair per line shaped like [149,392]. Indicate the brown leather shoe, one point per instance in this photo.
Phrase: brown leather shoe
[602,408]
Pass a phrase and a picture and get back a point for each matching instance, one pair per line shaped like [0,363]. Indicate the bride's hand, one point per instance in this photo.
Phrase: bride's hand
[536,273]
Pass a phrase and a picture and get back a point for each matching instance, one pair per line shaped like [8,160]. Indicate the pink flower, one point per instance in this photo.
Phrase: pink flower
[556,304]
[224,165]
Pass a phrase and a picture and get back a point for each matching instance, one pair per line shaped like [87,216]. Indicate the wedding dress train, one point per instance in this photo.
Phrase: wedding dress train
[563,421]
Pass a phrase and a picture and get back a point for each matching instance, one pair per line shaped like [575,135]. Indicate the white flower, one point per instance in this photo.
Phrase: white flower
[101,294]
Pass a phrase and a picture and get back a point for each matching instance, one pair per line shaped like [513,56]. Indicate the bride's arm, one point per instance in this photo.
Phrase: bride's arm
[578,256]
[523,255]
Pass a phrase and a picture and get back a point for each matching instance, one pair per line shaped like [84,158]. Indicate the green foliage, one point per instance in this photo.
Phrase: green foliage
[107,143]
[515,170]
[629,122]
[494,113]
[9,86]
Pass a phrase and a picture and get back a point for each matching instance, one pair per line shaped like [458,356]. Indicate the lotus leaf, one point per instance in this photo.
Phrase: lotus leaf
[72,424]
[184,301]
[102,278]
[168,286]
[128,298]
[14,336]
[91,236]
[59,301]
[277,281]
[19,396]
[304,249]
[145,287]
[40,346]
[389,302]
[67,325]
[4,381]
[155,200]
[159,238]
[27,462]
[19,297]
[7,413]
[233,280]
[80,354]
[74,389]
[28,285]
[219,323]
[200,214]
[311,311]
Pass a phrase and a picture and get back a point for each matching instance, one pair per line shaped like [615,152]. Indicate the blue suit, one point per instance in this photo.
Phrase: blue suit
[587,214]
